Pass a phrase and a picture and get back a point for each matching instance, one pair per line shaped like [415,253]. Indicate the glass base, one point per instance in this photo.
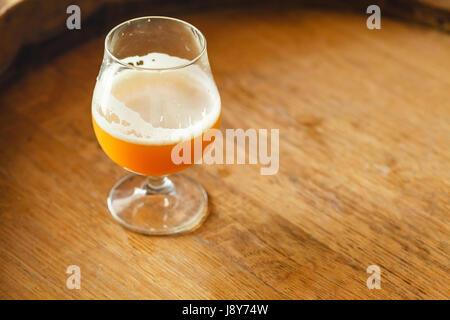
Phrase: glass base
[158,205]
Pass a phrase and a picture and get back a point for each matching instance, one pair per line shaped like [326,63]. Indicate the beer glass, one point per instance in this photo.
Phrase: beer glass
[155,91]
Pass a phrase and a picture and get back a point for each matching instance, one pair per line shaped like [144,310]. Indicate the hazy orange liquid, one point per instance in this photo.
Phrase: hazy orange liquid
[151,160]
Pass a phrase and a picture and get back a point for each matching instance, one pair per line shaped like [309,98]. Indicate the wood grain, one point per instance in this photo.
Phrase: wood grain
[364,178]
[24,23]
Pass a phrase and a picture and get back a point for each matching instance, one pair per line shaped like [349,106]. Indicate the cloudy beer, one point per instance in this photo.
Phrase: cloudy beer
[141,116]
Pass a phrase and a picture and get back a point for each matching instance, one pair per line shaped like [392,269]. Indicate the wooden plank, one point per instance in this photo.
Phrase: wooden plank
[364,174]
[24,23]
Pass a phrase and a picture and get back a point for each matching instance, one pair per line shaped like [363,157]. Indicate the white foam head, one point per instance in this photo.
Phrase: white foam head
[155,107]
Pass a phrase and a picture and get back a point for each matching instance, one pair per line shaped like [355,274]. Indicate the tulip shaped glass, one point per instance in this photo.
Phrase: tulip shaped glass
[155,91]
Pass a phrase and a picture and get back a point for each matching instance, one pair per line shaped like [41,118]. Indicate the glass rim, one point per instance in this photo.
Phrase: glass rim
[188,63]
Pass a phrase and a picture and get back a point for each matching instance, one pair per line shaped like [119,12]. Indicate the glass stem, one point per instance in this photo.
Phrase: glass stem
[159,185]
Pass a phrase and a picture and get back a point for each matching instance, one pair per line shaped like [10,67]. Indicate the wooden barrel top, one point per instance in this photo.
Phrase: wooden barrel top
[364,177]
